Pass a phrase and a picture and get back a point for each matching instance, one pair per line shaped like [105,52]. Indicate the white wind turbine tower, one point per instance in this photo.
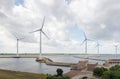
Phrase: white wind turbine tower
[98,47]
[116,48]
[41,32]
[86,43]
[17,45]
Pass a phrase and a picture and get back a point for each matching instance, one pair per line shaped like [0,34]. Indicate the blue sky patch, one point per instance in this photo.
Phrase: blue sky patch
[68,1]
[76,33]
[19,2]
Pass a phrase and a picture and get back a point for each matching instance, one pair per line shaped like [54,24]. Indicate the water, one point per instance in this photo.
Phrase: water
[30,65]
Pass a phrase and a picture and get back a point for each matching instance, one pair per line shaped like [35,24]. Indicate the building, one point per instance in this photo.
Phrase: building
[111,62]
[80,65]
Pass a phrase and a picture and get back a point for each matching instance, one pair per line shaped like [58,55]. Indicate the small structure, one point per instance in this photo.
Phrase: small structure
[91,66]
[16,57]
[111,62]
[41,59]
[81,68]
[80,65]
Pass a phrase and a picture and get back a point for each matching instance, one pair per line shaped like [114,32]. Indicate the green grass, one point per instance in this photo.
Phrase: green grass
[8,74]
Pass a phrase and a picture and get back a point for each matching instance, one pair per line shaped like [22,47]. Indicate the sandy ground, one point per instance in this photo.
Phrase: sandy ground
[75,74]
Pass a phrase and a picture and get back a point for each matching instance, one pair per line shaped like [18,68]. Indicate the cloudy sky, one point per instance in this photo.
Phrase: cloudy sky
[65,24]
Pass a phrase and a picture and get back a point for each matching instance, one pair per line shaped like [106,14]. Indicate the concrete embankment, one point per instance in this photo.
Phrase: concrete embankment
[60,64]
[20,56]
[89,58]
[50,62]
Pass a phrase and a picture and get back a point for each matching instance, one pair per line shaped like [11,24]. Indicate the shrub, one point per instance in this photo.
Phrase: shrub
[99,71]
[115,68]
[85,77]
[59,72]
[106,75]
[111,75]
[58,76]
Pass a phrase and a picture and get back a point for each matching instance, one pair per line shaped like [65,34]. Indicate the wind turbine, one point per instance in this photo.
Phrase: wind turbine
[116,48]
[98,45]
[17,45]
[41,32]
[86,43]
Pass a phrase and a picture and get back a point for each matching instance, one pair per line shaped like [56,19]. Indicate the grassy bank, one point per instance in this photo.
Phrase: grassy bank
[8,74]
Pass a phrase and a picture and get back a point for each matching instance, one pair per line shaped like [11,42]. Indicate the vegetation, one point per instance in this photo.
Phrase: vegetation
[112,73]
[85,77]
[8,74]
[59,72]
[99,71]
[58,76]
[115,68]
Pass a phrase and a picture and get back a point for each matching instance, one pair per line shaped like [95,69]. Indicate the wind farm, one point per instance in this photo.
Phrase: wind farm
[75,66]
[66,39]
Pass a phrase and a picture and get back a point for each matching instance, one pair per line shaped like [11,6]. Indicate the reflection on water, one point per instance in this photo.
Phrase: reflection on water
[30,65]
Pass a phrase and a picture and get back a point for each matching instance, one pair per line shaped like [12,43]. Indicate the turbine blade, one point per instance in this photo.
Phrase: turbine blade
[18,37]
[85,35]
[97,43]
[21,38]
[43,22]
[96,46]
[44,34]
[35,31]
[90,40]
[82,42]
[15,35]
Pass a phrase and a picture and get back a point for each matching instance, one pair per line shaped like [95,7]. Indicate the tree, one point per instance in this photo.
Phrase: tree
[85,77]
[111,75]
[59,72]
[99,71]
[58,76]
[106,75]
[115,68]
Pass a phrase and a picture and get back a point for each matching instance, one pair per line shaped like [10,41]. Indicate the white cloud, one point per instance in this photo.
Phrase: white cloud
[99,19]
[94,13]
